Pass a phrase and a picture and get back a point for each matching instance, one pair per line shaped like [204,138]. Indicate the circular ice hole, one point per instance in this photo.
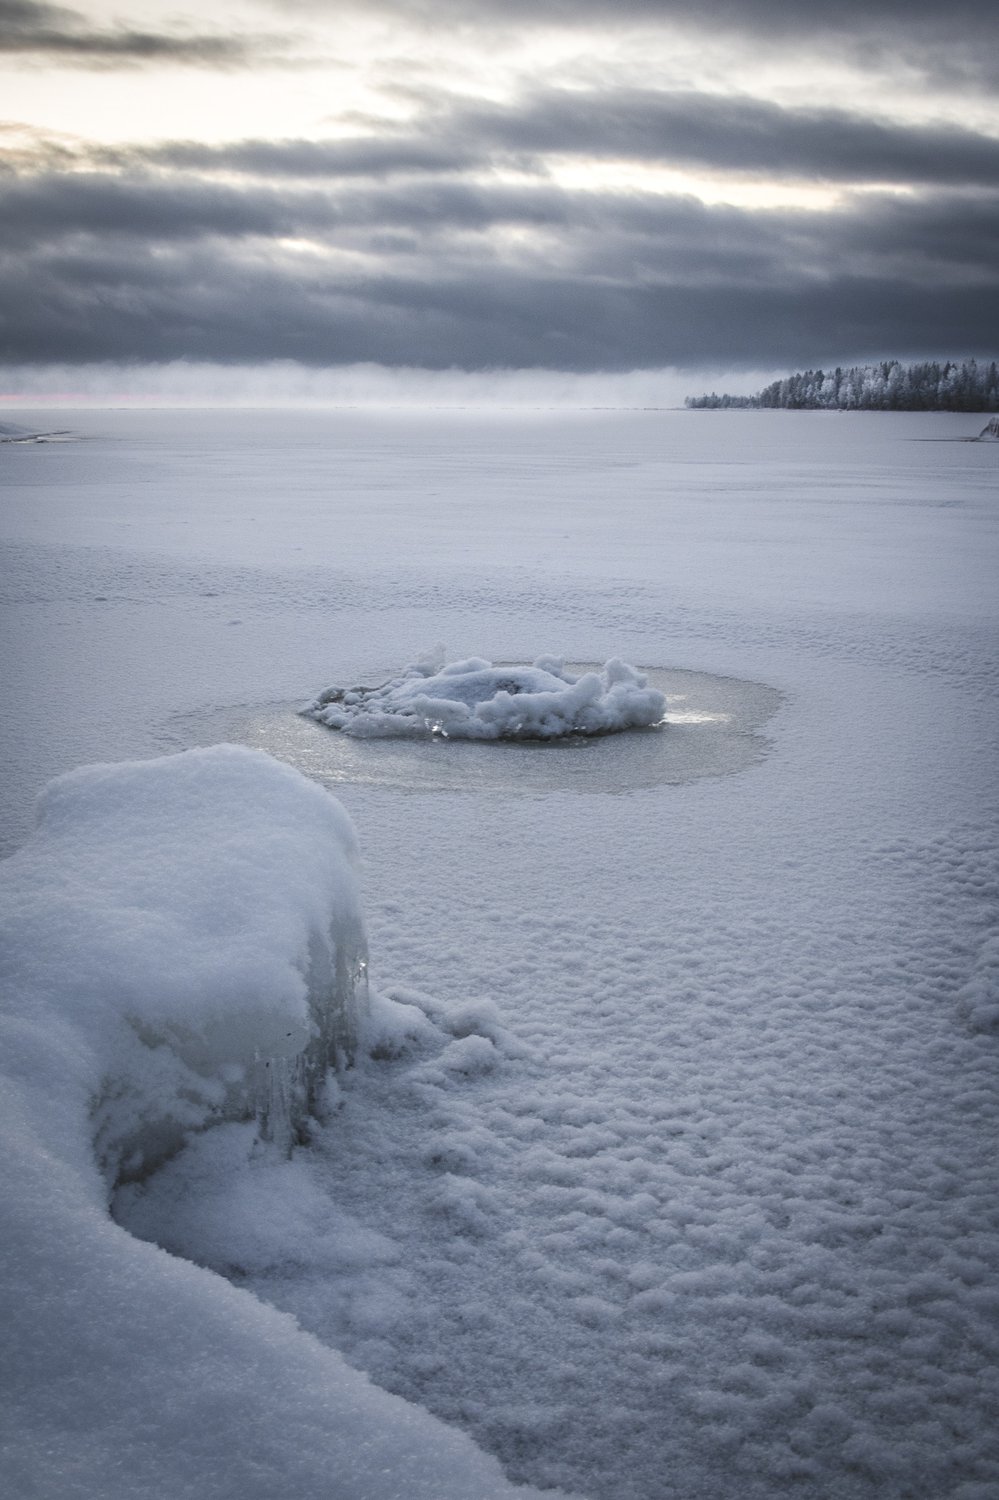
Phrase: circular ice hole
[712,728]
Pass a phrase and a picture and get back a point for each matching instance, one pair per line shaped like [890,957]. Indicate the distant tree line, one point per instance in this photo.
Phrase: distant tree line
[888,386]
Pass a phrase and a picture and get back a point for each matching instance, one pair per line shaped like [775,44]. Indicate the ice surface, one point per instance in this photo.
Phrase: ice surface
[684,1186]
[474,700]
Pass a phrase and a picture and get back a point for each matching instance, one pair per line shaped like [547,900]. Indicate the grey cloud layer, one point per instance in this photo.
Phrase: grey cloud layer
[447,273]
[677,129]
[738,134]
[765,15]
[956,42]
[55,32]
[959,40]
[448,241]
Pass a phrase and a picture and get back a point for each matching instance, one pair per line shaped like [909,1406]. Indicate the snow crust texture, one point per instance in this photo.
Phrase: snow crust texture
[183,947]
[474,700]
[727,1220]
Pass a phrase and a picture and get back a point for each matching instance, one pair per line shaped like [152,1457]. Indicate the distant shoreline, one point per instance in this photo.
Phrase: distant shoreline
[886,386]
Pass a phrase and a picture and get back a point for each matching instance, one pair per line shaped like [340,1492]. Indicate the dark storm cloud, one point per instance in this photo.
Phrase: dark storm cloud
[57,33]
[450,274]
[48,211]
[44,212]
[500,322]
[604,231]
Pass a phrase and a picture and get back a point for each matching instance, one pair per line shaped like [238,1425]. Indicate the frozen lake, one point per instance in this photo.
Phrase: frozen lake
[718,1219]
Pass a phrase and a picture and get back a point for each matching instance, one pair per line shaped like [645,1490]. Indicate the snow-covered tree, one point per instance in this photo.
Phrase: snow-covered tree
[886,386]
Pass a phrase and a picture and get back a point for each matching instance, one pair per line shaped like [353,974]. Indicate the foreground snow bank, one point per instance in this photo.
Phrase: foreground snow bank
[183,945]
[199,920]
[475,700]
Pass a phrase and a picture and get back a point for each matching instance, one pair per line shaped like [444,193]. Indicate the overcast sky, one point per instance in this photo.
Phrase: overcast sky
[601,185]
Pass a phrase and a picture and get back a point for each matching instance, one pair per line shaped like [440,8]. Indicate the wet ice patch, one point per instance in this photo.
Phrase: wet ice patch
[475,700]
[714,726]
[11,432]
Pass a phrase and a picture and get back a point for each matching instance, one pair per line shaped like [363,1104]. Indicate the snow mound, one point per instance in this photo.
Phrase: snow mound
[183,946]
[475,700]
[198,918]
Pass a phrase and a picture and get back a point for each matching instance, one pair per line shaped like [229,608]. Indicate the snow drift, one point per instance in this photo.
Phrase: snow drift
[475,700]
[183,946]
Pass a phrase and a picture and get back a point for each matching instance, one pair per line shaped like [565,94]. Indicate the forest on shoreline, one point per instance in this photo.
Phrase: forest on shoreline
[887,386]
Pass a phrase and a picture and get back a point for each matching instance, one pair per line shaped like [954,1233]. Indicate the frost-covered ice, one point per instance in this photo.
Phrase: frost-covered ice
[475,700]
[672,1175]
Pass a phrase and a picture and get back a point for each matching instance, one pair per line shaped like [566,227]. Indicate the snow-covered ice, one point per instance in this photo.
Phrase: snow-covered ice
[475,700]
[183,960]
[665,1169]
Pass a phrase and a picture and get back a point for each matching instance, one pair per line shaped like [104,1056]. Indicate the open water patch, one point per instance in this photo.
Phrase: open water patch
[712,727]
[10,432]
